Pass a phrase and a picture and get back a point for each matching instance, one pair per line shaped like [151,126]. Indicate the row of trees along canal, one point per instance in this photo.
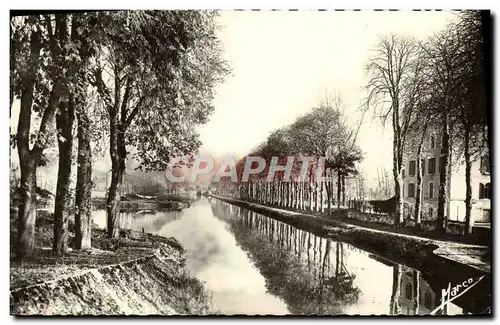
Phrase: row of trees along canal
[130,79]
[415,85]
[323,132]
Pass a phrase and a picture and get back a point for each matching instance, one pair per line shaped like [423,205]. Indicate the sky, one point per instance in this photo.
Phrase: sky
[283,62]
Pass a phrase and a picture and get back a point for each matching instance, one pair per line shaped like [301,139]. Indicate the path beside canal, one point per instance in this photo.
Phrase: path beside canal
[429,255]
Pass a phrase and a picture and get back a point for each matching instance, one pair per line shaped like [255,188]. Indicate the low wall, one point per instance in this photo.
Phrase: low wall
[371,217]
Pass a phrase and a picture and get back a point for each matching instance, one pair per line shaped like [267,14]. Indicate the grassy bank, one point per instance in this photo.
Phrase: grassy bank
[430,256]
[138,274]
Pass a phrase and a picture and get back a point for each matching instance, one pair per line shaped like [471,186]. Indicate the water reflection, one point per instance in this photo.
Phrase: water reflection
[149,221]
[315,275]
[257,265]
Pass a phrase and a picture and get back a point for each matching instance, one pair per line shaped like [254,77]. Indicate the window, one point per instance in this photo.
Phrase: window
[433,142]
[484,191]
[422,166]
[431,190]
[485,164]
[441,164]
[411,190]
[431,213]
[411,172]
[403,172]
[432,166]
[408,291]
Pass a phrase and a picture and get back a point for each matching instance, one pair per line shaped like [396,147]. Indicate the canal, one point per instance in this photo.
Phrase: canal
[253,264]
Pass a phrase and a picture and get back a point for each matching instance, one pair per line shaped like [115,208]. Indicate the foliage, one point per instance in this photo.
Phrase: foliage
[157,71]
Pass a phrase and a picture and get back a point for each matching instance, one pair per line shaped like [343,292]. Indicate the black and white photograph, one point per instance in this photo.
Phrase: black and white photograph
[250,162]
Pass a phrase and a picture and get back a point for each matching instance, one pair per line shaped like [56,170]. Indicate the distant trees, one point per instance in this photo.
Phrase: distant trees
[319,134]
[151,72]
[323,133]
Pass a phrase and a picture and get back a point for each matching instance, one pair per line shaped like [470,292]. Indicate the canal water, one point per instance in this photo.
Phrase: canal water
[253,264]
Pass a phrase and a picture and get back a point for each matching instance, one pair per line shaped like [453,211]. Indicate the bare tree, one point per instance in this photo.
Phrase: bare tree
[393,73]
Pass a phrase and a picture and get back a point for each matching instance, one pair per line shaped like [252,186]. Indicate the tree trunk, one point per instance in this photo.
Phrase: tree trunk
[118,156]
[343,190]
[299,195]
[399,217]
[27,210]
[310,195]
[329,196]
[83,218]
[397,162]
[419,193]
[321,193]
[314,196]
[468,189]
[339,187]
[64,123]
[27,163]
[443,176]
[271,190]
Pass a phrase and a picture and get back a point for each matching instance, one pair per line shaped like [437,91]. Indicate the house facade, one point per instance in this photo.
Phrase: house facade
[430,162]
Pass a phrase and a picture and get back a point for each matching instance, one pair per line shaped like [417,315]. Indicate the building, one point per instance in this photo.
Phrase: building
[430,162]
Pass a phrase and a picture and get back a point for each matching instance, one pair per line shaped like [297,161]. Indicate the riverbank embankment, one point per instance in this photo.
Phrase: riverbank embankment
[140,276]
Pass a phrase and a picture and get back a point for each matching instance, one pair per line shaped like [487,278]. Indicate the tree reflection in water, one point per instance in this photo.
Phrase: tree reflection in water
[309,273]
[297,265]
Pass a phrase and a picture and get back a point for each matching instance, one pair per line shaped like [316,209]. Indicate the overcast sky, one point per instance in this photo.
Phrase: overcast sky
[283,62]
